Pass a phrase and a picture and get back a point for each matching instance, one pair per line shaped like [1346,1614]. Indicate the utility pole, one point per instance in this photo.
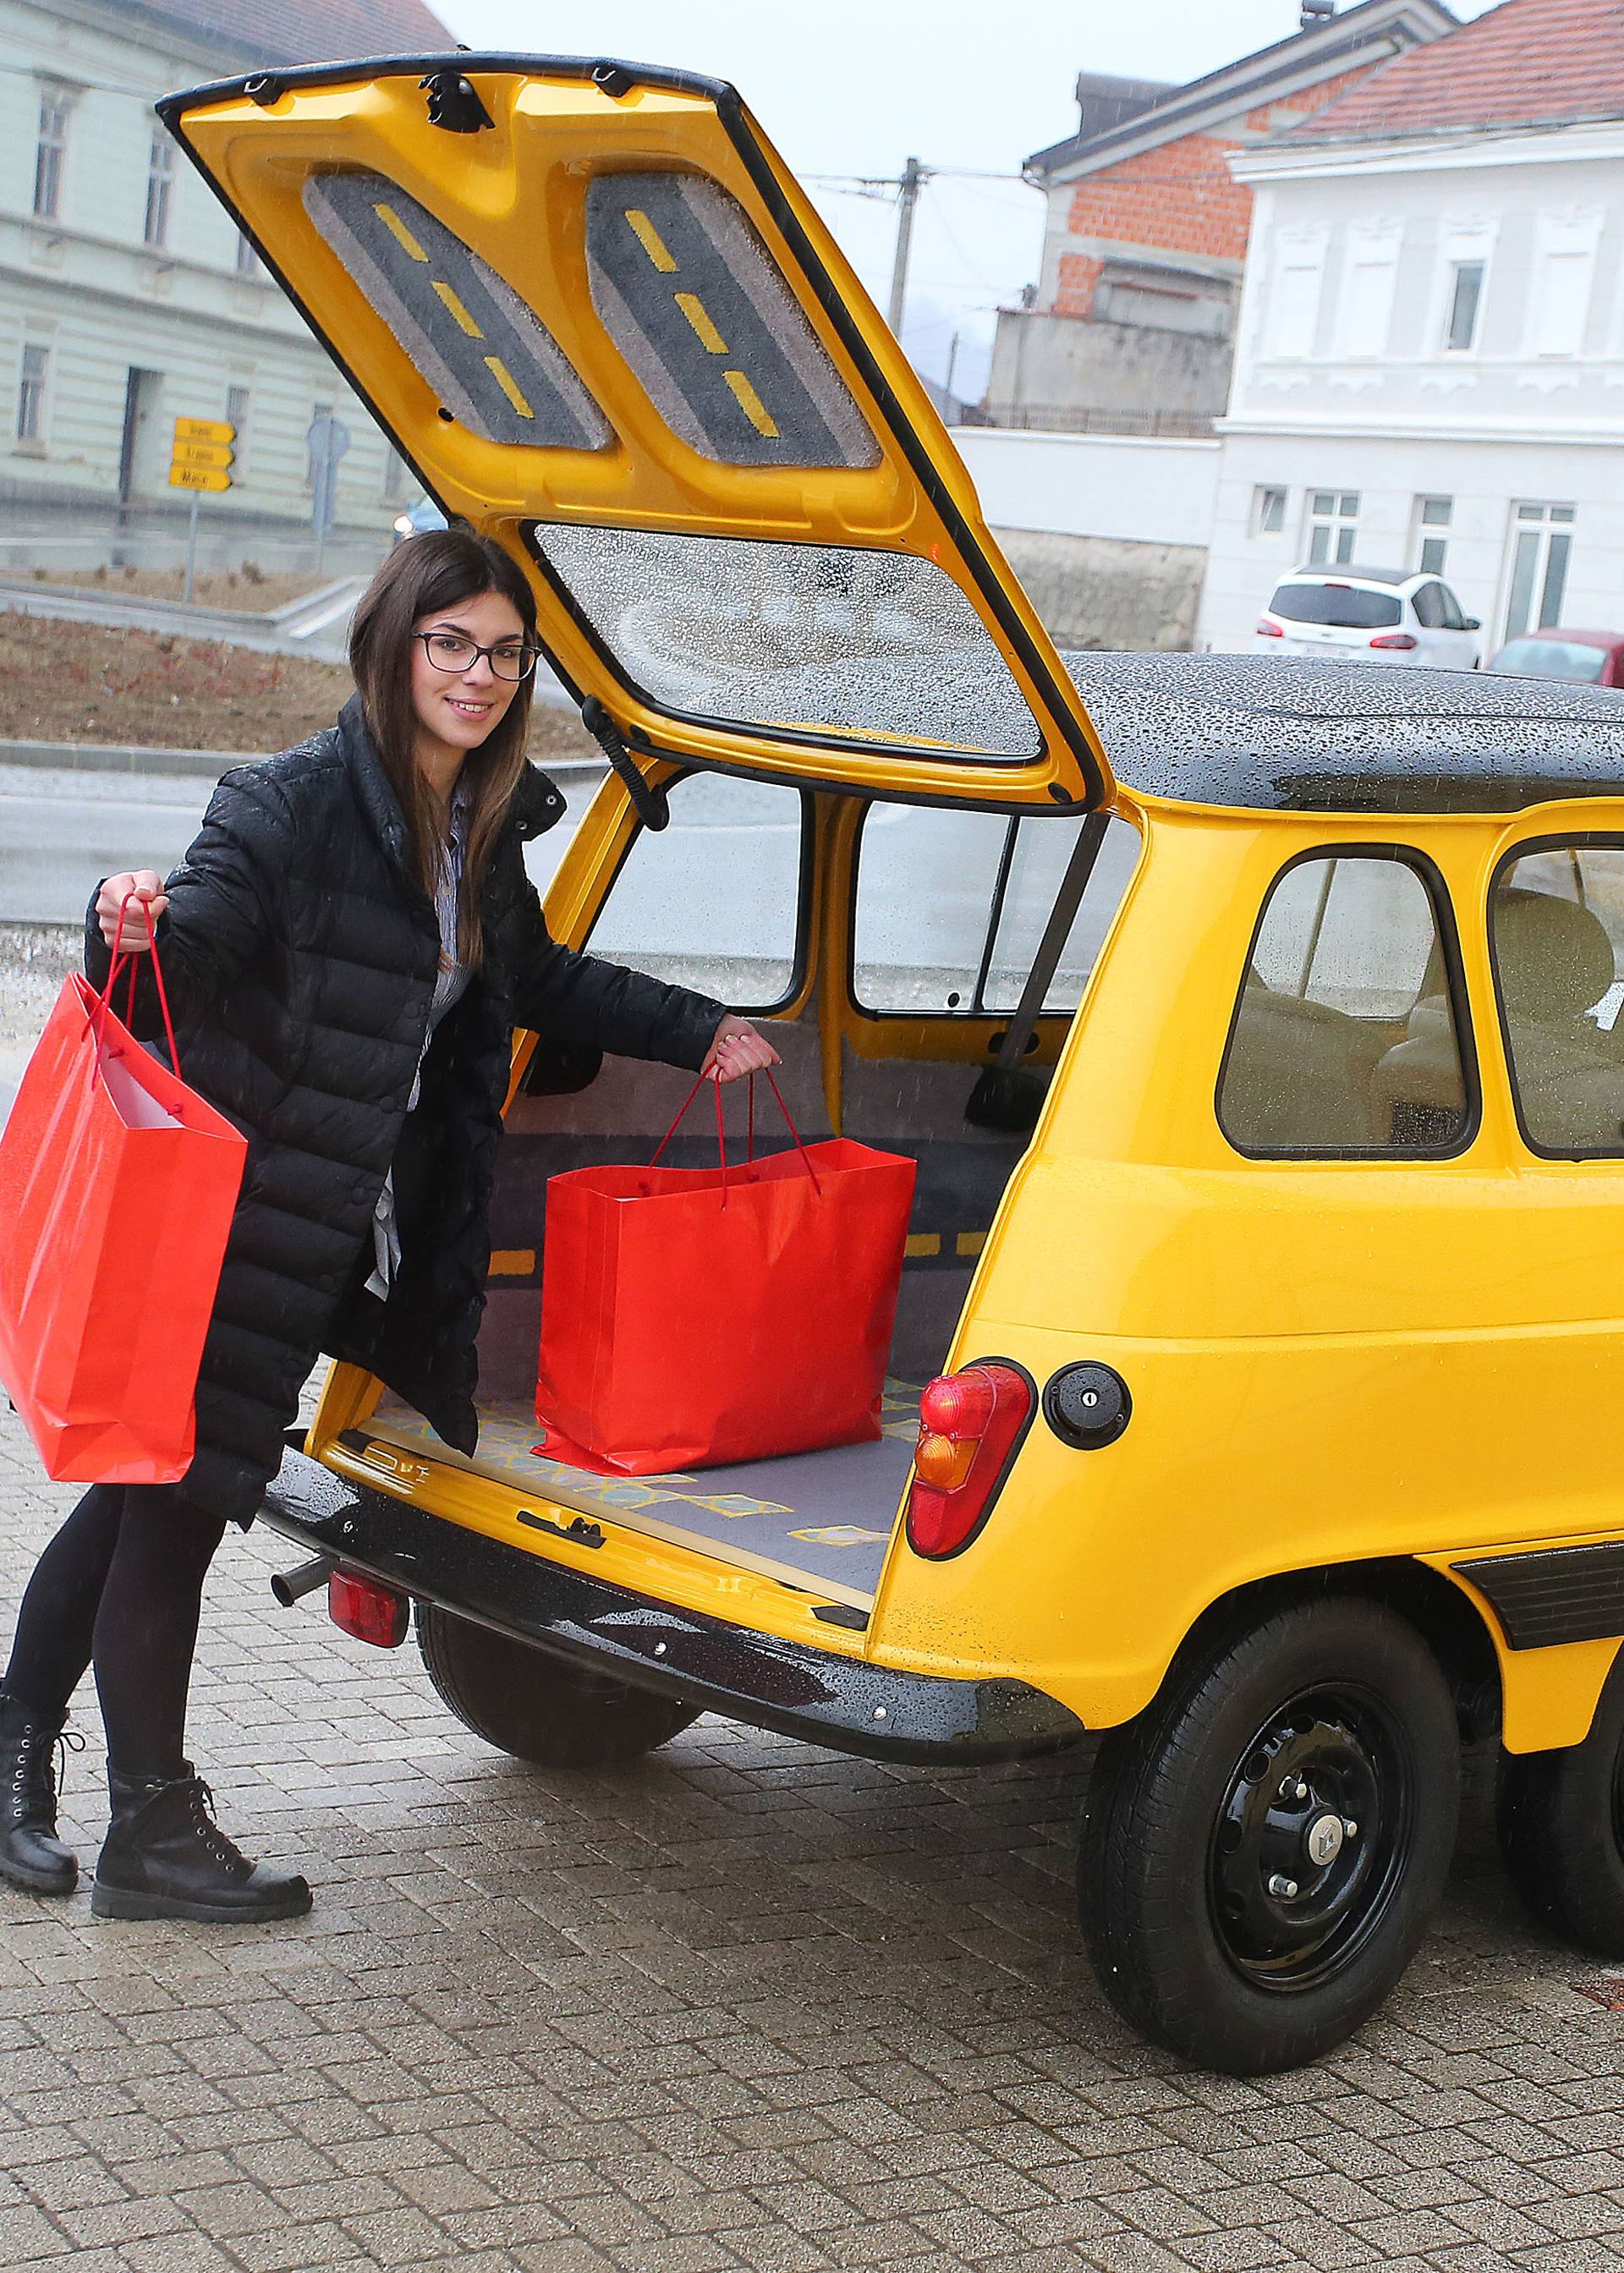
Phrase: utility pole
[914,176]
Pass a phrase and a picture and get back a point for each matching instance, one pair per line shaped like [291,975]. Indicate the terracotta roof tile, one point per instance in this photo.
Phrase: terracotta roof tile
[1527,63]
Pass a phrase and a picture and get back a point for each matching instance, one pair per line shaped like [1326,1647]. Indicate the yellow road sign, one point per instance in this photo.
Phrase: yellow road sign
[206,456]
[198,477]
[204,429]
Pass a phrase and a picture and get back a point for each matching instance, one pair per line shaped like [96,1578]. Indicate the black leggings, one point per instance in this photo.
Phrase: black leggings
[120,1586]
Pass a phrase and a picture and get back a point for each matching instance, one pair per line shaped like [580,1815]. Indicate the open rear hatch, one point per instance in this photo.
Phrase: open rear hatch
[596,311]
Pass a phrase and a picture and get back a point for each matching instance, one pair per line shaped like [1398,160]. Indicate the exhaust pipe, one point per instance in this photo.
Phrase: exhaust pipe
[289,1586]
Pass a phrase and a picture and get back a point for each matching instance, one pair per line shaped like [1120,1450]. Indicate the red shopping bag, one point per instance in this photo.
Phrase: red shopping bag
[117,1185]
[691,1317]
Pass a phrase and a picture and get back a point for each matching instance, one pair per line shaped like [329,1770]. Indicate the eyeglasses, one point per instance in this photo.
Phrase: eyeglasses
[452,651]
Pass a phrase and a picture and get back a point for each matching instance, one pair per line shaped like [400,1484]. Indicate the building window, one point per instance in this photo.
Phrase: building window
[397,477]
[247,260]
[1370,277]
[159,183]
[1333,524]
[1541,542]
[1300,274]
[236,417]
[49,155]
[1433,517]
[30,393]
[1564,277]
[1466,302]
[1268,512]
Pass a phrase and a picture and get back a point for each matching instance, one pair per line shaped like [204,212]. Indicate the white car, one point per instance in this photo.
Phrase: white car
[1368,615]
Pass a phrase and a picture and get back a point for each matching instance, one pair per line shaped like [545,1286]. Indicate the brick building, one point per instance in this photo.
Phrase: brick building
[1129,328]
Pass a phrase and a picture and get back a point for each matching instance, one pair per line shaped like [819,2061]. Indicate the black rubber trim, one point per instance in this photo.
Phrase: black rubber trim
[170,107]
[787,1686]
[1553,1594]
[1437,891]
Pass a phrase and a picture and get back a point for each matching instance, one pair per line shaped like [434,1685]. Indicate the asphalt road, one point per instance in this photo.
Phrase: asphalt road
[60,833]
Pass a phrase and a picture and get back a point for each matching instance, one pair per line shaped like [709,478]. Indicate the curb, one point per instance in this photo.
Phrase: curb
[128,758]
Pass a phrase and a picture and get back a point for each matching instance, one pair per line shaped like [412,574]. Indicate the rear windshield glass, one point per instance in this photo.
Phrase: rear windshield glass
[1342,606]
[1551,659]
[809,639]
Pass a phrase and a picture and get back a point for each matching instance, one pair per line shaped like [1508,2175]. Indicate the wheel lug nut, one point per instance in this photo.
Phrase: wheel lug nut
[1351,1829]
[1284,1889]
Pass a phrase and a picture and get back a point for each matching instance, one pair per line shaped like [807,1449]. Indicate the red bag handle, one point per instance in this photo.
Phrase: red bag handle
[722,1141]
[115,964]
[721,1134]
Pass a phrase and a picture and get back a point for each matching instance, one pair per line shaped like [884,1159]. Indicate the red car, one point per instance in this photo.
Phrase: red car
[1562,654]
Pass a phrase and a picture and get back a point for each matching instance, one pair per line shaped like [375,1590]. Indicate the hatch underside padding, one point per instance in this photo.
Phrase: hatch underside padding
[491,359]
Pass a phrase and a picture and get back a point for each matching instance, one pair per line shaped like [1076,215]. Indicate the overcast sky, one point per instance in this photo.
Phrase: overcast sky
[852,87]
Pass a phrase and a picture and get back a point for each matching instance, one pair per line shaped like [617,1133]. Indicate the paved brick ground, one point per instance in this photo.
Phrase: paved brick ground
[743,2005]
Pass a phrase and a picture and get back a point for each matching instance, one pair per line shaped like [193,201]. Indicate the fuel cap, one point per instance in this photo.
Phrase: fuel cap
[1087,1406]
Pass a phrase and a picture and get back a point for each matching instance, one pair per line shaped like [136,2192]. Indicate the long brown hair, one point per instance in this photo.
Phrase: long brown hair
[424,576]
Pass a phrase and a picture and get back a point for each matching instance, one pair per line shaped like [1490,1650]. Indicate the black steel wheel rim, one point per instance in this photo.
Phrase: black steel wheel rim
[1311,1838]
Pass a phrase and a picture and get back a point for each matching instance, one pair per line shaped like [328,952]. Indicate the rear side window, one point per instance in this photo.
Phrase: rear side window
[1429,606]
[1344,606]
[950,907]
[1556,929]
[1347,1037]
[1551,658]
[716,901]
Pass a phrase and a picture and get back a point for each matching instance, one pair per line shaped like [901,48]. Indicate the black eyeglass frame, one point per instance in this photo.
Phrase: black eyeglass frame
[532,656]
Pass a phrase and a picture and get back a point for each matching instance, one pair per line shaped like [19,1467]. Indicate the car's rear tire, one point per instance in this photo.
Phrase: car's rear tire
[1196,1827]
[526,1702]
[1560,1819]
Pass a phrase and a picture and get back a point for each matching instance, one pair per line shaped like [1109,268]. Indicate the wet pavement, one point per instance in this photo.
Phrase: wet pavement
[743,2005]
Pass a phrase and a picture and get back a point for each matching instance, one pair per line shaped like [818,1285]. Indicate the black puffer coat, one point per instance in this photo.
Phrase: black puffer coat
[301,960]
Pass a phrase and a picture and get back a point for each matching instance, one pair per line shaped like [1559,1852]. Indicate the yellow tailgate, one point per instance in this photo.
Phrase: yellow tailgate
[599,316]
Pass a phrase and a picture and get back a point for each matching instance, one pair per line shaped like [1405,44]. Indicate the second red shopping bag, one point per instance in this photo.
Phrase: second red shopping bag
[691,1317]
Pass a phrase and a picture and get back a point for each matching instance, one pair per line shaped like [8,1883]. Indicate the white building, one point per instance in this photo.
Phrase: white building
[1428,368]
[127,296]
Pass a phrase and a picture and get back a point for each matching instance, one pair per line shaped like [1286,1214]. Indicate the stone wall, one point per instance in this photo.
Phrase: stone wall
[1108,592]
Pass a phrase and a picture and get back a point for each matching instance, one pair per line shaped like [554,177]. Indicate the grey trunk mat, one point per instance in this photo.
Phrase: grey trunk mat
[818,1516]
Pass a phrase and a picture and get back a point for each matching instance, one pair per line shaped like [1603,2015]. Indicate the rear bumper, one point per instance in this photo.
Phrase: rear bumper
[826,1699]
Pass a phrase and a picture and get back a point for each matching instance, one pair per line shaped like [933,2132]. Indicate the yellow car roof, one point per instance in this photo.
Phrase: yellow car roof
[599,316]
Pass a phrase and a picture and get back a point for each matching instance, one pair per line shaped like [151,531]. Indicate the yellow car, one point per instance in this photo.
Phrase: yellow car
[1255,1029]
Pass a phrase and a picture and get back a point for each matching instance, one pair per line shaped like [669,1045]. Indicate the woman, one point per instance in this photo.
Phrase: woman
[347,946]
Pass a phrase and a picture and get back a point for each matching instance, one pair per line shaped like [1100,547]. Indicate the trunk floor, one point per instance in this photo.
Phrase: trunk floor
[818,1518]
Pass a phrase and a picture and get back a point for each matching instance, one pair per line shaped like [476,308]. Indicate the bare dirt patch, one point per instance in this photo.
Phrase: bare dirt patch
[67,682]
[252,589]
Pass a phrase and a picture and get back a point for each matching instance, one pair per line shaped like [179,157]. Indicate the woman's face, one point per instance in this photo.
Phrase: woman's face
[458,707]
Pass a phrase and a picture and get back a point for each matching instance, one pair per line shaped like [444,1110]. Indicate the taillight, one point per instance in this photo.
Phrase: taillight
[1271,630]
[969,1423]
[370,1611]
[1395,639]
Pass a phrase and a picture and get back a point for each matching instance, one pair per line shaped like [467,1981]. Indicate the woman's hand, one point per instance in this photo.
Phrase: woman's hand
[738,1049]
[146,885]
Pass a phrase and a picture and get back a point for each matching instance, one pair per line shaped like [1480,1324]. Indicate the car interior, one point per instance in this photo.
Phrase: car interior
[890,1051]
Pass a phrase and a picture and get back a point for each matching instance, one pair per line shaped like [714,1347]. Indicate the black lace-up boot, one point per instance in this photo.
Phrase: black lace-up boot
[31,1854]
[165,1856]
